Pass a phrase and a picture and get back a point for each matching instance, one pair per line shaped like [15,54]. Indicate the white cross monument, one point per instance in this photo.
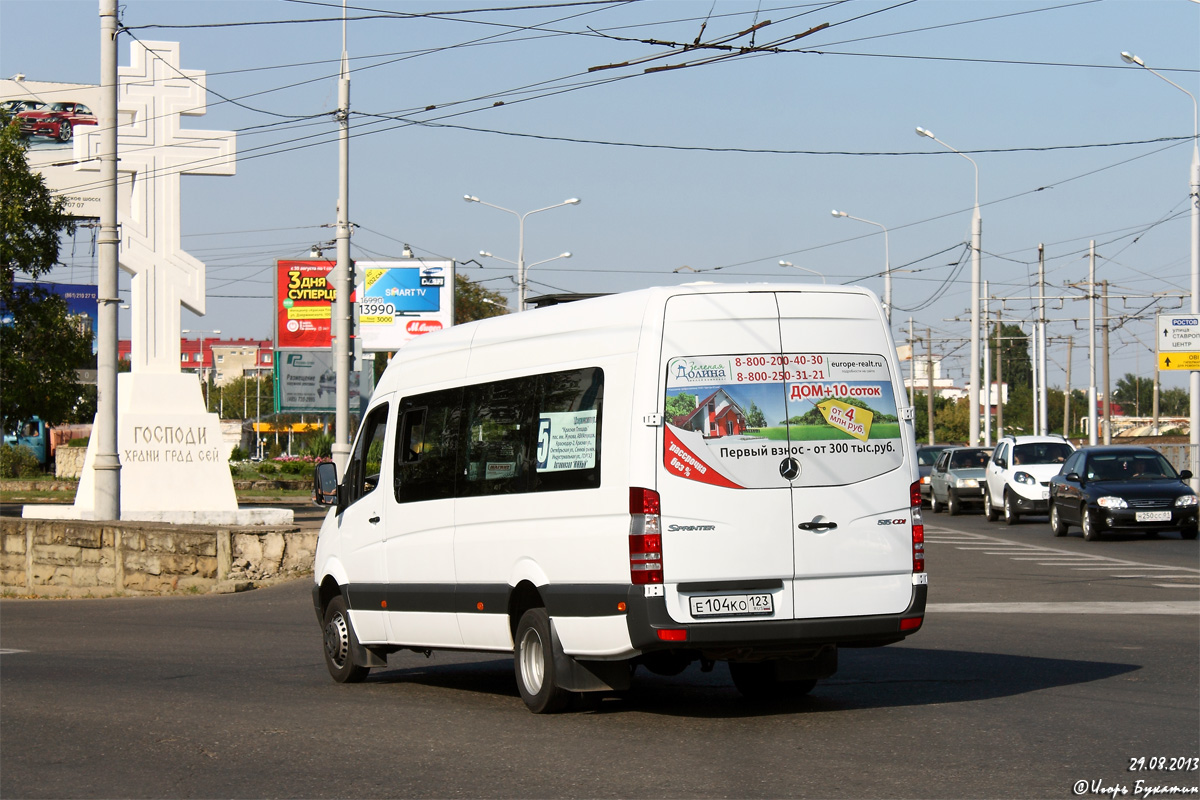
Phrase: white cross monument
[173,462]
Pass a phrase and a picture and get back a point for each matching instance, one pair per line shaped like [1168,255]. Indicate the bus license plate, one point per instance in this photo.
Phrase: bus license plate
[1153,516]
[731,605]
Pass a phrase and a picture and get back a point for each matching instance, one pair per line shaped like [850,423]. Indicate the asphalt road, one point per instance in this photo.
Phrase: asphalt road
[1043,662]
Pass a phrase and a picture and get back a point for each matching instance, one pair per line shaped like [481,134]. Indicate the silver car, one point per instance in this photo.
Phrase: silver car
[958,478]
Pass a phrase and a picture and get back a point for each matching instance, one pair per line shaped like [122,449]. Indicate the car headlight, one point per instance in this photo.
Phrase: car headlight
[1025,477]
[1112,502]
[924,479]
[1186,501]
[966,483]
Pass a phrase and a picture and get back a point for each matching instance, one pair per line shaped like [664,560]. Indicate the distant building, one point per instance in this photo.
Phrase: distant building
[224,360]
[942,387]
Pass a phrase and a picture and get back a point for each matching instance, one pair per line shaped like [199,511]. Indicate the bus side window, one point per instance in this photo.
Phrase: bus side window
[362,473]
[427,445]
[412,436]
[500,431]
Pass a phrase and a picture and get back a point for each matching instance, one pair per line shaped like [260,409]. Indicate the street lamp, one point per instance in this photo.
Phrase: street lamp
[976,270]
[1194,437]
[520,262]
[528,267]
[806,269]
[201,370]
[887,263]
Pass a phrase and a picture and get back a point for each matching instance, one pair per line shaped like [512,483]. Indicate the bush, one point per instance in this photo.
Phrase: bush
[267,468]
[80,442]
[295,467]
[238,454]
[319,445]
[18,462]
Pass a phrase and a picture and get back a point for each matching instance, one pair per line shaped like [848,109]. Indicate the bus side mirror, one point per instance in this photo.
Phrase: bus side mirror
[325,484]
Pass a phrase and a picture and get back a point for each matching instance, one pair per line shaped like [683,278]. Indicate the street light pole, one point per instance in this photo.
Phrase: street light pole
[976,274]
[887,263]
[201,371]
[520,262]
[528,267]
[107,464]
[1194,386]
[342,308]
[806,269]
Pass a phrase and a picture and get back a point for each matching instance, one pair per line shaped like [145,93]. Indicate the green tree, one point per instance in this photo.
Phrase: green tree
[1018,411]
[1013,348]
[953,422]
[755,418]
[941,407]
[244,394]
[1136,395]
[681,404]
[1174,403]
[1054,412]
[41,346]
[472,301]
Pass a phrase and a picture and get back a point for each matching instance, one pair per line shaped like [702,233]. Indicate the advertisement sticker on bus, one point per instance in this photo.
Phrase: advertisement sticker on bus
[733,420]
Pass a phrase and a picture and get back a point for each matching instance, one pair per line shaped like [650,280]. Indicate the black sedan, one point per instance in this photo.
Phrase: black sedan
[1121,488]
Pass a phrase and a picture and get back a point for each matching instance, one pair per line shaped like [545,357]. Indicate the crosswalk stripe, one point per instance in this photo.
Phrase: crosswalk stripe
[1168,607]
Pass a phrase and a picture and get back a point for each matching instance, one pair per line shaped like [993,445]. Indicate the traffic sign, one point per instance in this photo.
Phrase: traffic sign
[1188,361]
[1178,337]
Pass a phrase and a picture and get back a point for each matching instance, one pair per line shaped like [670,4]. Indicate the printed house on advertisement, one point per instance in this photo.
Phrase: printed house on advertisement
[715,416]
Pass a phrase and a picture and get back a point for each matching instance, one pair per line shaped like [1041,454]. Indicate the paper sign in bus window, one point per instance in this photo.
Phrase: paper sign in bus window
[566,440]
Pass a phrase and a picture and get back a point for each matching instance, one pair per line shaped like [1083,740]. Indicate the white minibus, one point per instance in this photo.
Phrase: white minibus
[682,474]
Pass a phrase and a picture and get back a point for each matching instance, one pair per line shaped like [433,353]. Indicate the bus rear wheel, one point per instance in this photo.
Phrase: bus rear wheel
[533,663]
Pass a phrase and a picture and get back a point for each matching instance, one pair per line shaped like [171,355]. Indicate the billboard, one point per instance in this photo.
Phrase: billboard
[49,115]
[306,381]
[401,300]
[80,299]
[304,295]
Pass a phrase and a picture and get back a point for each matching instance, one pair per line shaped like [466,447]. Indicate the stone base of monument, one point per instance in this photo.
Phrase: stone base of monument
[174,466]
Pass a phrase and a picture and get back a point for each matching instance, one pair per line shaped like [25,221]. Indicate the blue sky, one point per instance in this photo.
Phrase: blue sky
[739,161]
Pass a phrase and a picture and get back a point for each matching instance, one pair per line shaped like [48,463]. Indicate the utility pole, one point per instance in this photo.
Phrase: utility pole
[1067,391]
[107,500]
[1107,385]
[1042,407]
[342,309]
[929,364]
[1154,428]
[987,369]
[257,406]
[912,363]
[1033,375]
[1093,423]
[999,380]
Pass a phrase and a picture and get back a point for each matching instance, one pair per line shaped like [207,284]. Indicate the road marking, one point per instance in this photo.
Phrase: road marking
[1171,607]
[10,651]
[1144,566]
[1056,557]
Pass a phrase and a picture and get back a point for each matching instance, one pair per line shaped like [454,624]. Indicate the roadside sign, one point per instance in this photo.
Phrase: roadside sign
[1178,337]
[1189,361]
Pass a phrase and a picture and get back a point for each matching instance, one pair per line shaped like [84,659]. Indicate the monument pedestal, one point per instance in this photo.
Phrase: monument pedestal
[174,467]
